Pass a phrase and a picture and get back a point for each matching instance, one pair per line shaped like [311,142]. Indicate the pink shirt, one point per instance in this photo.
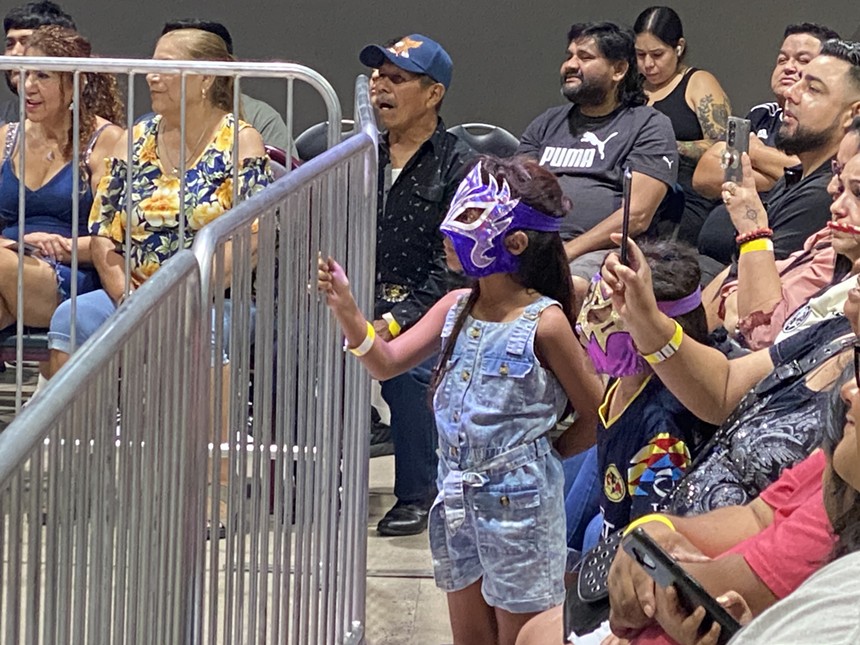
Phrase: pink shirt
[802,274]
[795,545]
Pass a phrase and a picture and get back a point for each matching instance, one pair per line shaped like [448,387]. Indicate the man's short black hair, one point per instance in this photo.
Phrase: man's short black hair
[821,32]
[37,14]
[616,43]
[211,26]
[848,51]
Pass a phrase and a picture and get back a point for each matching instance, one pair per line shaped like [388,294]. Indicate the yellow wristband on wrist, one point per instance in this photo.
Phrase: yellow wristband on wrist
[366,344]
[668,349]
[393,325]
[653,517]
[761,244]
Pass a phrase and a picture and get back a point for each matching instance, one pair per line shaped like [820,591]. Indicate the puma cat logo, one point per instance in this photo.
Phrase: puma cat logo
[590,137]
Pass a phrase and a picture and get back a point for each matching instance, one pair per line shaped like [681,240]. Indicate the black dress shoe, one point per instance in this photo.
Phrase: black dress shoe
[404,519]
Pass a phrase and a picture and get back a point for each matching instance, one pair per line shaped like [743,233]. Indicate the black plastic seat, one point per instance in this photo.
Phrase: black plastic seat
[314,141]
[487,139]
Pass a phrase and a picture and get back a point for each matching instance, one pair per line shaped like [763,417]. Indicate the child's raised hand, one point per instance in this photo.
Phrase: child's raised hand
[332,281]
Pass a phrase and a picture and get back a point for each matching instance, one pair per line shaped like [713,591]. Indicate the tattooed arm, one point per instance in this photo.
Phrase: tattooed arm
[711,105]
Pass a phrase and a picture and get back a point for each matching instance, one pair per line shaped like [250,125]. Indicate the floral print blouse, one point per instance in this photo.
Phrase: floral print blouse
[155,195]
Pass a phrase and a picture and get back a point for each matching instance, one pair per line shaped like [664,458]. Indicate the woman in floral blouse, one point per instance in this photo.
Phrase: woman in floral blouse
[155,185]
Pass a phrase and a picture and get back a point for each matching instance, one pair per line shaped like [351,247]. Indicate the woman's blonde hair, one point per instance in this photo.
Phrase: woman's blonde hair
[203,45]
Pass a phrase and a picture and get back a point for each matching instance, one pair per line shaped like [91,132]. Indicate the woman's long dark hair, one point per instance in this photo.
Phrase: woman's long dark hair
[543,264]
[844,508]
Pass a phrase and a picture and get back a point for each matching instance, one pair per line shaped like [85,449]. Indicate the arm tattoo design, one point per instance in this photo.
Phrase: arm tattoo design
[751,214]
[712,117]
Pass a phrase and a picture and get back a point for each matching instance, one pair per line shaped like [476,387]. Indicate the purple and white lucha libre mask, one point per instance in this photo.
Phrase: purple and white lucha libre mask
[480,244]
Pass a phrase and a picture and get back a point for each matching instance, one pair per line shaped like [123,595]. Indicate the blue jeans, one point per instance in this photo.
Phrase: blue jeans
[581,495]
[413,432]
[94,309]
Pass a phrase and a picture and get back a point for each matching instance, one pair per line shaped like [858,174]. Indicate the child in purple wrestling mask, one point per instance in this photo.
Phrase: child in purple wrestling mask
[509,364]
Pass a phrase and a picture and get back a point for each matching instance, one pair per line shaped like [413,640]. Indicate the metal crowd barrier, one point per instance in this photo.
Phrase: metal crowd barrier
[304,451]
[165,429]
[30,345]
[102,480]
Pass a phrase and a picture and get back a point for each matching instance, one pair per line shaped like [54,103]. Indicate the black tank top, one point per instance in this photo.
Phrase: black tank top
[683,119]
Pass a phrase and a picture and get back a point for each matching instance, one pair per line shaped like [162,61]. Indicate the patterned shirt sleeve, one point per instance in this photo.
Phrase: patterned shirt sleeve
[107,216]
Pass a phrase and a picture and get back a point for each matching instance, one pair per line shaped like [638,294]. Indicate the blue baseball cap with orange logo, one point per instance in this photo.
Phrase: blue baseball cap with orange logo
[414,53]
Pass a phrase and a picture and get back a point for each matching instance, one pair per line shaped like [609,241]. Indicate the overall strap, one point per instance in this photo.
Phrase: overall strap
[526,325]
[452,315]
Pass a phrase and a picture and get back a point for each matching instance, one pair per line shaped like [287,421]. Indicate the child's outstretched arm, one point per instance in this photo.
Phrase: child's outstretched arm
[560,350]
[382,359]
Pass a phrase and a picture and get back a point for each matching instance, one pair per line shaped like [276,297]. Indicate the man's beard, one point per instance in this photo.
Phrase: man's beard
[803,139]
[588,92]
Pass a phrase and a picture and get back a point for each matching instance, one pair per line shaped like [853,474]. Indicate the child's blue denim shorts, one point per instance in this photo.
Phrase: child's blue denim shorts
[509,530]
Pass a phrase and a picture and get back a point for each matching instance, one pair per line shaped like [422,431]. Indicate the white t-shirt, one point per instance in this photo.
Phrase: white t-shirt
[824,610]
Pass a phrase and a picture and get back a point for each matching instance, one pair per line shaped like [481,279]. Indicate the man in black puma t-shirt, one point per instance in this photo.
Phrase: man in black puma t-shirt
[587,145]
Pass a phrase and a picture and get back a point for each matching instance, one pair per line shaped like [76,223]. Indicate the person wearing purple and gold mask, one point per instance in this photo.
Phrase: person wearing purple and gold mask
[646,438]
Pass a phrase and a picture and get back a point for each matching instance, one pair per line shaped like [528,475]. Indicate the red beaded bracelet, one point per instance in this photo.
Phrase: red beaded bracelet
[755,234]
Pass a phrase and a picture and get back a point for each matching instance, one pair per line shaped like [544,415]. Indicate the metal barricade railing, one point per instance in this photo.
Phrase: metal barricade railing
[295,575]
[102,480]
[132,69]
[108,477]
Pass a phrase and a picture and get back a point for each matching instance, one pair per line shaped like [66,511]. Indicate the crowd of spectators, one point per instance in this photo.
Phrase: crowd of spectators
[722,342]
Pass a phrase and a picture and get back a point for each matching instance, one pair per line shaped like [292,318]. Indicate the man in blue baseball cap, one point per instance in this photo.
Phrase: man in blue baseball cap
[420,167]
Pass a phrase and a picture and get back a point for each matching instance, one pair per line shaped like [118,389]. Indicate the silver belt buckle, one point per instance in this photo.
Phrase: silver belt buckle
[394,292]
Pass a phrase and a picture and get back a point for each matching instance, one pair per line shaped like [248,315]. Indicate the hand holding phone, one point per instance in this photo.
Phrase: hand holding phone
[737,143]
[666,571]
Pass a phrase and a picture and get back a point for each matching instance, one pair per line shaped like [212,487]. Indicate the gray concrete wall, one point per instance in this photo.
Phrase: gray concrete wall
[506,53]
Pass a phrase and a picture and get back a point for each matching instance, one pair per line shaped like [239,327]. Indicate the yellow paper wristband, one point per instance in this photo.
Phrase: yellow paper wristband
[366,344]
[761,244]
[668,349]
[393,325]
[653,517]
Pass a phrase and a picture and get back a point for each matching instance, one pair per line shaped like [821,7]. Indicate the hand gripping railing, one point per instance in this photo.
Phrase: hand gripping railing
[131,68]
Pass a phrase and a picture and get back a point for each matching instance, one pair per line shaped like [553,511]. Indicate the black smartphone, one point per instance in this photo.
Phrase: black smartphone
[737,143]
[666,571]
[625,214]
[29,249]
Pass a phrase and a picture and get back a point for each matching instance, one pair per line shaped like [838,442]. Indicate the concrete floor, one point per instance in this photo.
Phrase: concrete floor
[403,603]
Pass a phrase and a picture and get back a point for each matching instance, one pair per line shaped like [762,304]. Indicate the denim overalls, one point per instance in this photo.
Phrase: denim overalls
[500,509]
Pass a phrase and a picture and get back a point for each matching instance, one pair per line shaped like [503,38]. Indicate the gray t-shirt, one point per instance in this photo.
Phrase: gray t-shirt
[588,155]
[9,110]
[824,610]
[267,121]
